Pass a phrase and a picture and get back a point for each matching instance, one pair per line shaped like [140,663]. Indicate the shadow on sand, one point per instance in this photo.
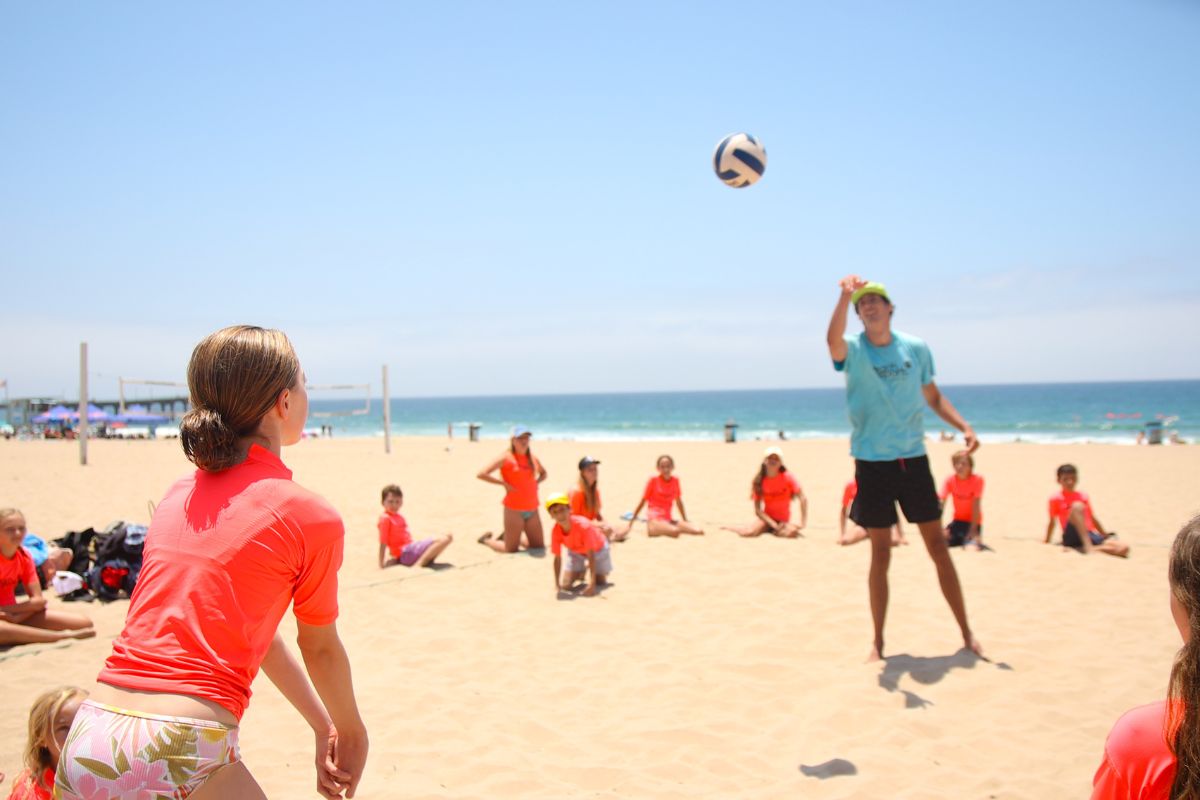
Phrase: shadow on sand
[926,671]
[832,768]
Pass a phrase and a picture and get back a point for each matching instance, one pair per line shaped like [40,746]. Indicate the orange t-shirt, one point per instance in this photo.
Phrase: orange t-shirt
[777,494]
[579,504]
[583,538]
[16,570]
[518,472]
[849,493]
[393,531]
[660,495]
[1060,506]
[225,555]
[964,494]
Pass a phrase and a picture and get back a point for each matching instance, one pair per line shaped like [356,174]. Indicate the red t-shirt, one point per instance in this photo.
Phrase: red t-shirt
[1060,506]
[518,472]
[964,493]
[777,494]
[26,787]
[1137,763]
[583,538]
[16,570]
[660,495]
[849,493]
[579,504]
[393,531]
[225,555]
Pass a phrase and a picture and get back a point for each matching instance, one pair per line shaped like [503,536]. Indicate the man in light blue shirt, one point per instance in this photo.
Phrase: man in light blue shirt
[889,381]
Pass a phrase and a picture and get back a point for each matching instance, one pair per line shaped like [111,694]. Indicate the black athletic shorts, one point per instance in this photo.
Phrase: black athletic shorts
[957,532]
[882,484]
[1071,537]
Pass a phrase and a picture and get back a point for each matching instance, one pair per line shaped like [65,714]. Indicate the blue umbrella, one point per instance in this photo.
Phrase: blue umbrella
[59,413]
[94,414]
[139,415]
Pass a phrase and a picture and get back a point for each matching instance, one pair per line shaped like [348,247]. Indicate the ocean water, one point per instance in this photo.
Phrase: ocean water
[1074,412]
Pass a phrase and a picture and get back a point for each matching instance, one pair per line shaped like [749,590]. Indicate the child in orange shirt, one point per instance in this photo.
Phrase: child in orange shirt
[587,548]
[394,538]
[662,491]
[773,490]
[1081,530]
[29,621]
[966,528]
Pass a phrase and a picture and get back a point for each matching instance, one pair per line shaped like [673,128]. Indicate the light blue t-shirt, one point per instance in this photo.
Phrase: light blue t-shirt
[883,393]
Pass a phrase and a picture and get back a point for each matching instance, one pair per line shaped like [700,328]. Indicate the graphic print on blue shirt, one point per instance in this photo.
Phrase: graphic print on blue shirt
[884,397]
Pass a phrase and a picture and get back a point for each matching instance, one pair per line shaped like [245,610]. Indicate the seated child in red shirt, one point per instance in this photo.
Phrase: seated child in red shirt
[966,528]
[587,549]
[32,620]
[1081,530]
[395,540]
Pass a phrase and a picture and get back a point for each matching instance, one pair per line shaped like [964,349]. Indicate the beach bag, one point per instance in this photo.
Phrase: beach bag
[108,579]
[123,540]
[79,543]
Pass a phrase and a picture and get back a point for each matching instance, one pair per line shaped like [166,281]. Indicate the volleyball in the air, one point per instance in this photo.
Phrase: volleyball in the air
[739,160]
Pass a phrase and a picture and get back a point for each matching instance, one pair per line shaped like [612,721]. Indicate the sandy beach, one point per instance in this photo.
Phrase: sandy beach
[715,666]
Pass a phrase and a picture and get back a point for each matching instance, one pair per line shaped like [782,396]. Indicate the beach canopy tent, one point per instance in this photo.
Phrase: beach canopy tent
[94,414]
[139,415]
[59,413]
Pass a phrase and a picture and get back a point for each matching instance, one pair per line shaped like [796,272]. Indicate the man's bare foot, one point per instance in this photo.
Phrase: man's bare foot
[876,653]
[82,633]
[972,644]
[485,537]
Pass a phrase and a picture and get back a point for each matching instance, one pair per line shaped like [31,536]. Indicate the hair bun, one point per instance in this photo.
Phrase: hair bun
[207,440]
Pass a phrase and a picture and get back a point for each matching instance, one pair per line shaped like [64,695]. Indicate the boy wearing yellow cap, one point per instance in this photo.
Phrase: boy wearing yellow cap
[889,381]
[587,550]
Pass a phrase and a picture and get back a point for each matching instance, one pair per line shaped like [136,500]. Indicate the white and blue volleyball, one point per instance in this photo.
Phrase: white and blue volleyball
[739,160]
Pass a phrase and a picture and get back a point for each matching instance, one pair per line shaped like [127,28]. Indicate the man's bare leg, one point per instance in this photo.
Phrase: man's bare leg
[939,552]
[877,584]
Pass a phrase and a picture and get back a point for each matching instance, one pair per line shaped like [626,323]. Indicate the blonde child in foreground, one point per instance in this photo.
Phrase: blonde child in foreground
[1153,751]
[394,538]
[587,548]
[50,719]
[30,621]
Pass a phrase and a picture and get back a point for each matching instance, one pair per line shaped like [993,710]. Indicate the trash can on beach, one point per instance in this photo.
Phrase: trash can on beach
[1154,431]
[473,431]
[730,431]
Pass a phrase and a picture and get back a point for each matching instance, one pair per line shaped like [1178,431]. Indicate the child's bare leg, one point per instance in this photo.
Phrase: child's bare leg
[1078,521]
[1119,549]
[688,527]
[434,550]
[568,580]
[757,529]
[621,532]
[898,536]
[662,527]
[788,530]
[13,633]
[532,528]
[853,535]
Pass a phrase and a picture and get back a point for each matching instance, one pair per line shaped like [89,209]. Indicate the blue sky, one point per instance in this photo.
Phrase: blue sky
[501,198]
